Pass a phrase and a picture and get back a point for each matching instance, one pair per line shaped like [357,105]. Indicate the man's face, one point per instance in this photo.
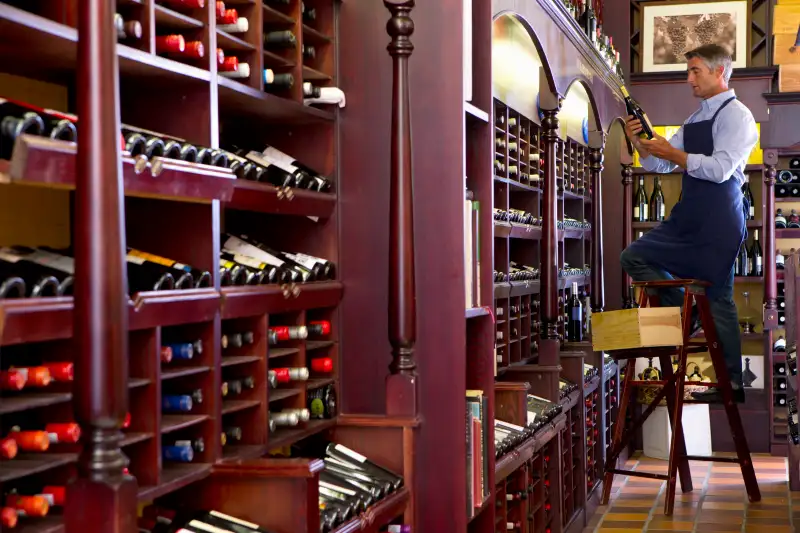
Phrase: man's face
[704,81]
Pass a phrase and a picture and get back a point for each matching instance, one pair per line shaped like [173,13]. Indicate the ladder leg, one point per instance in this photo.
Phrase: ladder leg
[731,409]
[684,472]
[611,461]
[677,451]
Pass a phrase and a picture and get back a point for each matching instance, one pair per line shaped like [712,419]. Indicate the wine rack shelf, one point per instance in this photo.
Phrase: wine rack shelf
[211,381]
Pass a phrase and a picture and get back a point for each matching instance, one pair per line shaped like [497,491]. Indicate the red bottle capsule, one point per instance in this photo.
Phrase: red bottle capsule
[230,64]
[195,50]
[231,16]
[322,365]
[220,10]
[56,496]
[320,327]
[8,517]
[61,371]
[166,354]
[127,422]
[69,433]
[170,44]
[8,448]
[12,380]
[31,441]
[35,376]
[220,56]
[28,505]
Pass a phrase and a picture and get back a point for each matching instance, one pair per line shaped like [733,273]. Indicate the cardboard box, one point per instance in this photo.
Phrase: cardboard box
[786,50]
[637,328]
[786,19]
[789,78]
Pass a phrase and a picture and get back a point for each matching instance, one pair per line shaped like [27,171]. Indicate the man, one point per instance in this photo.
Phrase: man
[706,228]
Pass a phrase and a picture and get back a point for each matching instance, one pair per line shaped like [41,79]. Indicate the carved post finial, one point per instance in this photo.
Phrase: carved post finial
[401,384]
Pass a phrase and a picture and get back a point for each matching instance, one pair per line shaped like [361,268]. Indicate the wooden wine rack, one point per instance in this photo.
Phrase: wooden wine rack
[179,211]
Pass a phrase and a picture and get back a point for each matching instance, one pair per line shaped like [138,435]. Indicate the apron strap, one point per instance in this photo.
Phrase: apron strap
[725,103]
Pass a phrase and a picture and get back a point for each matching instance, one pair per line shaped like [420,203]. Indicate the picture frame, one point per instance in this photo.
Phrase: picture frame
[691,24]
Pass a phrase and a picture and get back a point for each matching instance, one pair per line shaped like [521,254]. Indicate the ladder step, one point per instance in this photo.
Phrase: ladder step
[636,473]
[713,459]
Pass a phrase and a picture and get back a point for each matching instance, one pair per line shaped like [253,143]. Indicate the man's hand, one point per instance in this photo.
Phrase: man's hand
[632,129]
[661,148]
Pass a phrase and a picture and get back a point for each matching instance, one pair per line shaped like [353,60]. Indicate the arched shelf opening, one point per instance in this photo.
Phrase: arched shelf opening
[519,69]
[578,114]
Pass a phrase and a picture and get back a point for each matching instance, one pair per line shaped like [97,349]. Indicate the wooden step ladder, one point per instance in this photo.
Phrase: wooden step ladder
[672,387]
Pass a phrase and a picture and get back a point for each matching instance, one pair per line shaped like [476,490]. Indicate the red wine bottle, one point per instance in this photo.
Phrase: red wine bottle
[281,175]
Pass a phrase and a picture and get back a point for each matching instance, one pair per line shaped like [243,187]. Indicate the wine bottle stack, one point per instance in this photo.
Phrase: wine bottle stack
[237,42]
[181,32]
[524,501]
[611,401]
[594,437]
[349,485]
[518,149]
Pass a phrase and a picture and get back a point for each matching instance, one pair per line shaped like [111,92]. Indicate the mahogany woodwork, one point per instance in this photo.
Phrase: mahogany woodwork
[598,279]
[102,493]
[549,260]
[770,281]
[627,230]
[401,384]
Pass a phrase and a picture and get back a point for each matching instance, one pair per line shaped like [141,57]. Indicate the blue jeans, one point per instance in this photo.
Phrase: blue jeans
[720,300]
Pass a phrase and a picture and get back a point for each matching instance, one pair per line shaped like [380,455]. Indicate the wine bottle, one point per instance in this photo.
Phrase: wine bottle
[636,111]
[640,203]
[748,195]
[256,272]
[309,14]
[232,68]
[171,403]
[742,261]
[16,120]
[588,22]
[756,257]
[285,375]
[310,273]
[361,463]
[657,207]
[185,350]
[237,340]
[131,29]
[277,82]
[280,39]
[233,23]
[197,445]
[274,173]
[245,246]
[12,287]
[289,163]
[322,402]
[232,273]
[346,470]
[39,269]
[284,419]
[180,453]
[575,315]
[309,51]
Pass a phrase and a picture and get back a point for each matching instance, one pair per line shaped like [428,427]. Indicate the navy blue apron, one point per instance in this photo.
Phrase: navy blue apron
[706,228]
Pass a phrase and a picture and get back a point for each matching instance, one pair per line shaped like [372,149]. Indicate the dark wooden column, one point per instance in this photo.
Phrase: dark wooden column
[627,228]
[596,169]
[401,383]
[102,498]
[549,345]
[770,283]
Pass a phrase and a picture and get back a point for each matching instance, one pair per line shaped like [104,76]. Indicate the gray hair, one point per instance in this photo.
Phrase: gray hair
[714,55]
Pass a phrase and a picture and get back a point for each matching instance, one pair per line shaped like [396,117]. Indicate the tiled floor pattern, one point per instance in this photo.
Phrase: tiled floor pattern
[718,502]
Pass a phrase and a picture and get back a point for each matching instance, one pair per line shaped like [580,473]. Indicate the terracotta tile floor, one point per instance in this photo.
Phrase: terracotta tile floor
[718,502]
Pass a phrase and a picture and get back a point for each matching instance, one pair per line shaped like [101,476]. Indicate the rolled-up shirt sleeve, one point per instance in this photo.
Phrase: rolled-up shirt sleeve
[662,166]
[735,135]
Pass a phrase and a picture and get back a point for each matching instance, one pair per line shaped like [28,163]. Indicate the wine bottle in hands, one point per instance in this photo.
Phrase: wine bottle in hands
[636,111]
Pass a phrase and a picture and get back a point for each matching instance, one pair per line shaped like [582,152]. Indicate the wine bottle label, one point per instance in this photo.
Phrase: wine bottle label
[249,261]
[645,210]
[531,417]
[237,246]
[244,523]
[350,453]
[662,211]
[501,423]
[202,526]
[303,261]
[41,257]
[163,261]
[337,488]
[280,160]
[758,263]
[636,211]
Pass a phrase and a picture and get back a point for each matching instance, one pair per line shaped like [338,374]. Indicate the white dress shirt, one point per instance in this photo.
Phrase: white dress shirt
[735,135]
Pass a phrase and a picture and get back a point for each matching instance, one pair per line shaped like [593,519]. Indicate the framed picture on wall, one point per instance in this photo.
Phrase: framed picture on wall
[670,29]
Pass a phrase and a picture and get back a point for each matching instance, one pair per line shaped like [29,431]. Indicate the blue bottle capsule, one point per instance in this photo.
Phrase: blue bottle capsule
[176,402]
[181,454]
[182,350]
